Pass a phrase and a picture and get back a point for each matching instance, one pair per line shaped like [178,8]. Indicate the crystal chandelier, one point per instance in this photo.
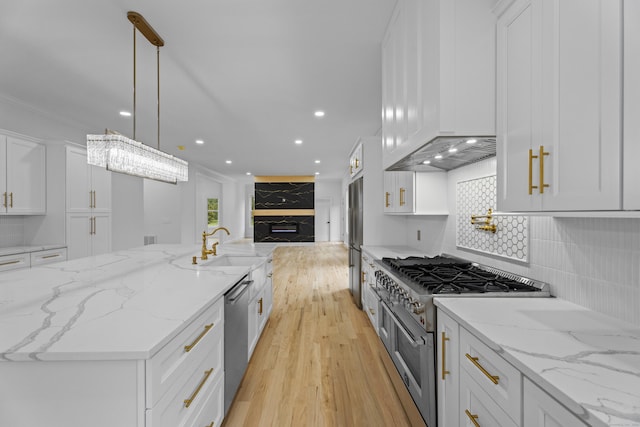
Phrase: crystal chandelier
[118,153]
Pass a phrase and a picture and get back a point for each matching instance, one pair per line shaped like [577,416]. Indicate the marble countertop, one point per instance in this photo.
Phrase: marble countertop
[122,305]
[587,361]
[378,252]
[22,249]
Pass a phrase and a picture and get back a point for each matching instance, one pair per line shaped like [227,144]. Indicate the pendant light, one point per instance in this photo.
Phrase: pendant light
[118,153]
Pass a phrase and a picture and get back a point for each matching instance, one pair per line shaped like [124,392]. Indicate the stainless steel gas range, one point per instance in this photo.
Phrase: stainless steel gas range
[406,324]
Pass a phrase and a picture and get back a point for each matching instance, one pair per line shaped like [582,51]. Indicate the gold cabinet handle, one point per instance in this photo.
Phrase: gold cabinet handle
[90,225]
[357,163]
[189,401]
[494,378]
[207,328]
[472,417]
[270,275]
[373,313]
[51,256]
[531,157]
[9,262]
[363,277]
[4,204]
[541,161]
[444,339]
[402,190]
[10,200]
[211,425]
[90,199]
[260,306]
[386,199]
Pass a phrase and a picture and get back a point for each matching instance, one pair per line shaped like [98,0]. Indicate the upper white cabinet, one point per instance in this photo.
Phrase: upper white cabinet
[438,73]
[355,161]
[559,105]
[631,132]
[22,176]
[415,193]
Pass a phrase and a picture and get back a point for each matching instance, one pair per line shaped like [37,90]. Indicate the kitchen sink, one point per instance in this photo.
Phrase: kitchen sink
[232,261]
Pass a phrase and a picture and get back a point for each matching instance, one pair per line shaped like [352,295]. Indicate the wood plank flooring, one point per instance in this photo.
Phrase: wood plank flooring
[319,361]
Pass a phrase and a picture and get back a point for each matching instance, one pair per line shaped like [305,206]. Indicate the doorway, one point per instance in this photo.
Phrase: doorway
[323,220]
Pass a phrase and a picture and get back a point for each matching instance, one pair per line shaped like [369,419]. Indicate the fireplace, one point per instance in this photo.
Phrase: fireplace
[289,228]
[283,228]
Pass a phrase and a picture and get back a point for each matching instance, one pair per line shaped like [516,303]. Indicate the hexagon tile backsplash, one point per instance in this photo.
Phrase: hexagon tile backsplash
[476,197]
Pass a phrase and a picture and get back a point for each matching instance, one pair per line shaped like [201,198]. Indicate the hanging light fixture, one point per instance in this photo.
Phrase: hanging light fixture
[118,153]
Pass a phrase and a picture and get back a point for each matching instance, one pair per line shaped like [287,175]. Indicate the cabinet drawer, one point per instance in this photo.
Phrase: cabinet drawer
[14,262]
[476,404]
[48,256]
[174,361]
[204,388]
[506,387]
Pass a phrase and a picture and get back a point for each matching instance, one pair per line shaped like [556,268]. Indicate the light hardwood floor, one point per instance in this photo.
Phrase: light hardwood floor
[319,361]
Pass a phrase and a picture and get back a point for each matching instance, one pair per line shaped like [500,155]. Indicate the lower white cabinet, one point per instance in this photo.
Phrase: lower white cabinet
[260,303]
[88,234]
[542,410]
[477,387]
[180,386]
[48,256]
[369,297]
[15,262]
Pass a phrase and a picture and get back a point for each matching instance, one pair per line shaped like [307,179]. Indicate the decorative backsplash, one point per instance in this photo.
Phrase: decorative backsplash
[511,237]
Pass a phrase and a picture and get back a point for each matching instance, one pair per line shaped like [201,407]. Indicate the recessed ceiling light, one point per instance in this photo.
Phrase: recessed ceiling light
[453,150]
[317,173]
[228,162]
[248,173]
[438,156]
[298,141]
[199,141]
[125,113]
[426,162]
[471,141]
[317,161]
[319,113]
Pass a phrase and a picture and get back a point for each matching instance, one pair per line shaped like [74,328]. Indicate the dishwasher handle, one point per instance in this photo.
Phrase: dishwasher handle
[238,291]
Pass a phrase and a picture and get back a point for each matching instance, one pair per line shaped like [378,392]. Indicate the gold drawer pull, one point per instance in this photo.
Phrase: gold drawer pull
[9,262]
[189,401]
[270,275]
[402,191]
[444,339]
[211,425]
[386,199]
[50,256]
[260,308]
[494,378]
[373,313]
[189,347]
[472,417]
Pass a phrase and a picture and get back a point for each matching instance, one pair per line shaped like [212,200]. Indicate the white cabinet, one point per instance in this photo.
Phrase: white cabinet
[260,302]
[22,176]
[541,410]
[355,161]
[559,105]
[48,256]
[369,297]
[631,95]
[477,408]
[448,371]
[438,73]
[417,193]
[180,385]
[88,206]
[14,262]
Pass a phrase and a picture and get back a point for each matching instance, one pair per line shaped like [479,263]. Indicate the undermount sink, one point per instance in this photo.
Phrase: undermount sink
[232,261]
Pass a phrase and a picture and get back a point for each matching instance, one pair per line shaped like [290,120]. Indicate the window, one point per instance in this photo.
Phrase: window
[212,213]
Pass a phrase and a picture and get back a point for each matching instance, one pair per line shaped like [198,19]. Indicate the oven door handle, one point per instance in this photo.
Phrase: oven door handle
[400,326]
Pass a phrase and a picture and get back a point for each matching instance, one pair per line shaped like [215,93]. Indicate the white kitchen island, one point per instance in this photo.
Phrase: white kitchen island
[101,340]
[573,366]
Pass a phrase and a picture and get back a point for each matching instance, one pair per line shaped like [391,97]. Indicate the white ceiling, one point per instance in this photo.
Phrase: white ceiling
[243,75]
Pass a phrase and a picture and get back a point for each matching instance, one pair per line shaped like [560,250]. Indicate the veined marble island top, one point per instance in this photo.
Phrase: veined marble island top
[122,305]
[587,361]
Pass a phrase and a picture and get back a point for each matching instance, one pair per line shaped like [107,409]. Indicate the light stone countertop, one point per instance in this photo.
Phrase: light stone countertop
[379,252]
[587,361]
[122,305]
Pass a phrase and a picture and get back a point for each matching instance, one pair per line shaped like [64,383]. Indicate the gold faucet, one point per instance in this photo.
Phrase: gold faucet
[206,251]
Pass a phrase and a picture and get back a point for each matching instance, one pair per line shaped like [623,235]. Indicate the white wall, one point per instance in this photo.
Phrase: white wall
[163,211]
[594,262]
[127,211]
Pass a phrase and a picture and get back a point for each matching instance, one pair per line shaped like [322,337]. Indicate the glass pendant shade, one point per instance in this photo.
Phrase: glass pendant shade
[118,153]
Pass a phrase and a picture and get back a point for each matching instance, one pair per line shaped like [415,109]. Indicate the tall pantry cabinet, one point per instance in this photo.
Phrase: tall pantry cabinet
[88,206]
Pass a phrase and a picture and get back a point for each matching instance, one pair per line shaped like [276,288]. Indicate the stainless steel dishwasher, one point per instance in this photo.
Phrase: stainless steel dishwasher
[236,336]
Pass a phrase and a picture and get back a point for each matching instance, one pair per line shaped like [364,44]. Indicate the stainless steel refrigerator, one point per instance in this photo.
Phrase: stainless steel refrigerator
[355,240]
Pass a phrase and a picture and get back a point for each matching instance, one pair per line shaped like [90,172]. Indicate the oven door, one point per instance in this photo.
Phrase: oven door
[413,353]
[385,325]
